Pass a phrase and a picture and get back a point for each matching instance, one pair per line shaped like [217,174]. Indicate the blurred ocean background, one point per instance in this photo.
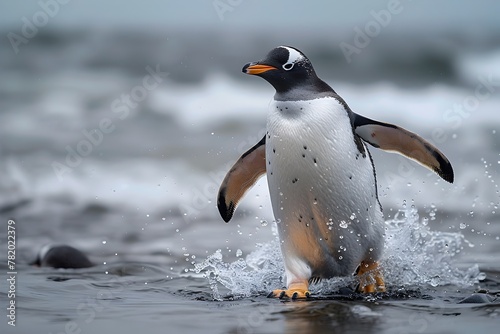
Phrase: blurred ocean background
[119,119]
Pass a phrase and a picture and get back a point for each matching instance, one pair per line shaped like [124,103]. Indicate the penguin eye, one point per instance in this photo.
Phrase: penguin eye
[288,66]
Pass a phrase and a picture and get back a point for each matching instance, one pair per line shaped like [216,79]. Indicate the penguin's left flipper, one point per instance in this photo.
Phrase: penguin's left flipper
[241,177]
[390,137]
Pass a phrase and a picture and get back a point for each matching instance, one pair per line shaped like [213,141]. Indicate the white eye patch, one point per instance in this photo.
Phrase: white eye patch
[293,57]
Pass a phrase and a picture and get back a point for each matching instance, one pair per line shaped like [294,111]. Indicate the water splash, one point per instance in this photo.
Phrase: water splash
[260,272]
[414,256]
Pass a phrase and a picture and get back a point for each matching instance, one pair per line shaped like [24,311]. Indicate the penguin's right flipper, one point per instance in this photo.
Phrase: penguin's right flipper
[242,176]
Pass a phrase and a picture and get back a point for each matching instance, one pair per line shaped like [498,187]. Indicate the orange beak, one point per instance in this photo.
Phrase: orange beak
[254,68]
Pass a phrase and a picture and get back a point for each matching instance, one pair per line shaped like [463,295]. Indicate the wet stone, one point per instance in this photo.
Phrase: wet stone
[477,298]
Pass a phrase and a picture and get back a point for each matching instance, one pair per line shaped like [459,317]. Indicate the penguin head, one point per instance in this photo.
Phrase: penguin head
[285,68]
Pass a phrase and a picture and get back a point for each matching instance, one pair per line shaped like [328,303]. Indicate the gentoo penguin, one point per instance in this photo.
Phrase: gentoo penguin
[61,256]
[321,176]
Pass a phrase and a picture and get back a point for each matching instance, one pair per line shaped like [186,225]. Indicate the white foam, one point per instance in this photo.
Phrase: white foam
[216,100]
[145,185]
[471,66]
[220,99]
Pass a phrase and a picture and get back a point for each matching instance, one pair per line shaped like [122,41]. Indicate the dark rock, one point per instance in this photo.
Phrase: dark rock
[61,256]
[477,298]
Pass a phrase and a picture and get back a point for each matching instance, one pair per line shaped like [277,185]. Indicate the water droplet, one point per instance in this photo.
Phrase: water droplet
[462,226]
[239,252]
[263,223]
[340,257]
[104,242]
[434,281]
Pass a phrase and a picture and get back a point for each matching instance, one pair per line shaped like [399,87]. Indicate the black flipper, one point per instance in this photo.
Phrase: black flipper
[241,177]
[390,137]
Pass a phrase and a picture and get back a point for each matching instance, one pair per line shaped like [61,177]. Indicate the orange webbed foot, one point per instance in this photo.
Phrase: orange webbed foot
[294,291]
[371,279]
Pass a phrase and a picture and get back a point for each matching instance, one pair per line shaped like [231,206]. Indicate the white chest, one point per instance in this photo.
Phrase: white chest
[312,142]
[322,187]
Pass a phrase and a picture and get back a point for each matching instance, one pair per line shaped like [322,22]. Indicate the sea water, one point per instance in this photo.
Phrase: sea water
[142,203]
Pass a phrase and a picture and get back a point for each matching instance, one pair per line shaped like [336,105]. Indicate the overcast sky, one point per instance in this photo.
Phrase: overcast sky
[255,14]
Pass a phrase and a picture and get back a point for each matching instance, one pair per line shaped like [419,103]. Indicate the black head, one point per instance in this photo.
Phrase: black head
[286,68]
